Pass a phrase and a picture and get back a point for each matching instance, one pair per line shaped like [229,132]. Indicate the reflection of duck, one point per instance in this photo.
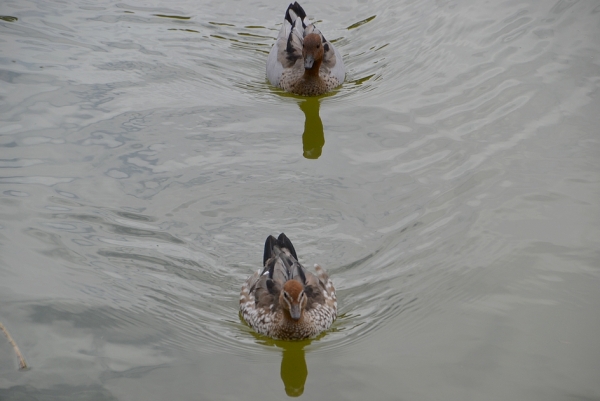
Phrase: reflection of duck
[313,137]
[285,301]
[293,368]
[302,61]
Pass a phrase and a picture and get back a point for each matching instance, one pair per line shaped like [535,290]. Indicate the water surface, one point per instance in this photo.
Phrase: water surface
[450,187]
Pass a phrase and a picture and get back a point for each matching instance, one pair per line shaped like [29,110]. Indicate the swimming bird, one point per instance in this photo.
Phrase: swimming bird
[285,301]
[302,61]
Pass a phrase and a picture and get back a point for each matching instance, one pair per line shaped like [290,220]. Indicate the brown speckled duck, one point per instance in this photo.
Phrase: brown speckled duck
[302,61]
[285,301]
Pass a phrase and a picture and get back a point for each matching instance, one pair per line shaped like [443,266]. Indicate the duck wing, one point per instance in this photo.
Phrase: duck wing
[332,59]
[287,50]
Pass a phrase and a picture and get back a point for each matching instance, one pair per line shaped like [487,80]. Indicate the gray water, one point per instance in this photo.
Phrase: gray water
[451,189]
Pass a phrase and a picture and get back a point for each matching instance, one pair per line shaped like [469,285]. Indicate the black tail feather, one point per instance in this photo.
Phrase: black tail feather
[269,244]
[298,10]
[284,242]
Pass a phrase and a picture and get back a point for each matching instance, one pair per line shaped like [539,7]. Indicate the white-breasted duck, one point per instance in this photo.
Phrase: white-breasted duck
[302,61]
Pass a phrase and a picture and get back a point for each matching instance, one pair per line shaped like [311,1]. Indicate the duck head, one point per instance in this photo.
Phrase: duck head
[293,299]
[312,52]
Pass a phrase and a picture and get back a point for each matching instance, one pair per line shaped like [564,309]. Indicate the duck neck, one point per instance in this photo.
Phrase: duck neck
[313,72]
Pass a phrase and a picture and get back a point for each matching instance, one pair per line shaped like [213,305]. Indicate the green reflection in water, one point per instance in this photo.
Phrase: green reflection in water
[294,370]
[185,30]
[359,23]
[8,18]
[172,16]
[293,367]
[220,23]
[313,137]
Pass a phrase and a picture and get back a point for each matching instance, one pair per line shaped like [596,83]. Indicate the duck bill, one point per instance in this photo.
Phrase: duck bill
[309,61]
[295,312]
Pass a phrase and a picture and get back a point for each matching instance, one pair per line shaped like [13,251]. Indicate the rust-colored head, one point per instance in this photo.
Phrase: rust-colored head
[312,52]
[293,299]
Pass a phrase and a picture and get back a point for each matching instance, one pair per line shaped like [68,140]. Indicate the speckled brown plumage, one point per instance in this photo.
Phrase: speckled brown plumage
[296,81]
[285,301]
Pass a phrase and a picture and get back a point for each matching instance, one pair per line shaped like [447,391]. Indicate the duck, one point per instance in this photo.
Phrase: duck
[302,61]
[285,301]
